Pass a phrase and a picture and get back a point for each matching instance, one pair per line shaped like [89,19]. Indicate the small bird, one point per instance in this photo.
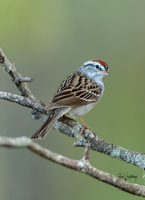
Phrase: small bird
[77,94]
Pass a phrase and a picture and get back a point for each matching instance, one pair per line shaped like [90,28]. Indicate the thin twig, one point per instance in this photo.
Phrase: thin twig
[87,151]
[23,80]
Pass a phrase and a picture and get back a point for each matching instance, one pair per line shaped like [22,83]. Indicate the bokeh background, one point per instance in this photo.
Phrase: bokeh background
[47,40]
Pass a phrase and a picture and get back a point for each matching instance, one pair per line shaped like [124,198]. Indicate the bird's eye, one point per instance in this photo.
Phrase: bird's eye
[98,67]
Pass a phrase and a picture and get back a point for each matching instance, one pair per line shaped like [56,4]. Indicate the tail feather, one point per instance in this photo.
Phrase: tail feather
[54,115]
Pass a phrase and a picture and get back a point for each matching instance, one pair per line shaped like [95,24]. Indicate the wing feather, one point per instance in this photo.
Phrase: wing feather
[76,90]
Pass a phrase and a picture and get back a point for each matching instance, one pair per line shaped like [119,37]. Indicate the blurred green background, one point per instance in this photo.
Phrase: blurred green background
[48,40]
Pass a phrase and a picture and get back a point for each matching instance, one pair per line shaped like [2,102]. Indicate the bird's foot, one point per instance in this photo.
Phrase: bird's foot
[83,128]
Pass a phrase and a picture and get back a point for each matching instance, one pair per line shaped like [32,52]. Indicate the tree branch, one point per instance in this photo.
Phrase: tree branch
[82,165]
[23,101]
[17,78]
[70,128]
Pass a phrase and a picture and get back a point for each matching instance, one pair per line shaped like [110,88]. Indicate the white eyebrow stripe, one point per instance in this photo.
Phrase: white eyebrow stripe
[89,62]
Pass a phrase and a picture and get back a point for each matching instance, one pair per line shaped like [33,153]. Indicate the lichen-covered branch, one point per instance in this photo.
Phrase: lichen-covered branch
[17,78]
[21,84]
[23,101]
[71,128]
[82,165]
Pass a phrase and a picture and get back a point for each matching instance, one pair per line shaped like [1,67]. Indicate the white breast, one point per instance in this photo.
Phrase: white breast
[81,110]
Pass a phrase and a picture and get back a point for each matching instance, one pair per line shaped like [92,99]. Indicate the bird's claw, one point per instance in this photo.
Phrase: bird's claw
[84,126]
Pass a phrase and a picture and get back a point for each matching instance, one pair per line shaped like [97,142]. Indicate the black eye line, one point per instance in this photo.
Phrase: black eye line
[105,66]
[97,66]
[89,64]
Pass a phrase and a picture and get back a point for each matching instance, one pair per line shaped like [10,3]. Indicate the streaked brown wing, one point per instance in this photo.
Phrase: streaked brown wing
[76,90]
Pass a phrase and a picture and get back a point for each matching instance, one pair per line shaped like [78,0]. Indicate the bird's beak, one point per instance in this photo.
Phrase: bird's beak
[105,73]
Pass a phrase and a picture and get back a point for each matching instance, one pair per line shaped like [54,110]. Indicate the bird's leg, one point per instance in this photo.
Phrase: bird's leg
[84,126]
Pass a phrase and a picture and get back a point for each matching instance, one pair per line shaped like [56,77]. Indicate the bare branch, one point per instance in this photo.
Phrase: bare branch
[16,77]
[79,165]
[71,128]
[23,101]
[21,84]
[66,125]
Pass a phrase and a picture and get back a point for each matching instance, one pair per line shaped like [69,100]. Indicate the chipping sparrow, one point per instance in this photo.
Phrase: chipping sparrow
[77,95]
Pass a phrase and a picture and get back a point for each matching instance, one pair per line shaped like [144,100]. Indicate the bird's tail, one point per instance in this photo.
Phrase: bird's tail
[54,115]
